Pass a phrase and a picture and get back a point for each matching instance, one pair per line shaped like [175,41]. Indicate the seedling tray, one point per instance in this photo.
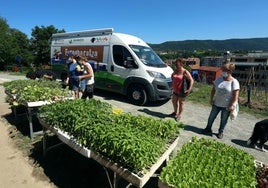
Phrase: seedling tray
[131,177]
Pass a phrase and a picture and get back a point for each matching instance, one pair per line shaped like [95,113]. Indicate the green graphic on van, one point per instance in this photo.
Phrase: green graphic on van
[109,77]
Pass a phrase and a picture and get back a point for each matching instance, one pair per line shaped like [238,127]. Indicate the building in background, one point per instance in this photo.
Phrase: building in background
[213,61]
[207,74]
[250,69]
[250,60]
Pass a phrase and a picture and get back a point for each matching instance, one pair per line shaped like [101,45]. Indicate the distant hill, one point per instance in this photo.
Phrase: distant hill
[251,44]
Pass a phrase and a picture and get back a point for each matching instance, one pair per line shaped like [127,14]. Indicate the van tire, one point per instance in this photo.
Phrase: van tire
[137,95]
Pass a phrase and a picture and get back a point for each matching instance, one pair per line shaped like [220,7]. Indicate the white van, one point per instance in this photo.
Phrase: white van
[122,63]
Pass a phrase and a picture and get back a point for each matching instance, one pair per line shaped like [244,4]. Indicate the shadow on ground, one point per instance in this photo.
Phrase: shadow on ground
[122,98]
[67,168]
[153,113]
[20,121]
[193,129]
[243,143]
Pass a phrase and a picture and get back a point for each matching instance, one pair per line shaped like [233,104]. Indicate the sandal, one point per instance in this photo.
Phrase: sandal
[173,114]
[177,118]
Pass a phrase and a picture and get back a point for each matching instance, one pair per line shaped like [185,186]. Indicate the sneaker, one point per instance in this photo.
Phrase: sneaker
[220,135]
[249,142]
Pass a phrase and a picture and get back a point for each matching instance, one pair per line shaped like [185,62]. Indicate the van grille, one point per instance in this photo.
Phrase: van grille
[170,85]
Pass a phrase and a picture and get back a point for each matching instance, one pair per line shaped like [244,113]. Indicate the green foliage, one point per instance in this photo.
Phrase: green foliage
[135,142]
[217,45]
[173,54]
[13,43]
[201,95]
[22,91]
[20,46]
[40,43]
[208,163]
[32,51]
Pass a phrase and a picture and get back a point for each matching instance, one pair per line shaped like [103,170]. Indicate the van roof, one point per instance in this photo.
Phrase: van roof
[124,38]
[128,39]
[85,33]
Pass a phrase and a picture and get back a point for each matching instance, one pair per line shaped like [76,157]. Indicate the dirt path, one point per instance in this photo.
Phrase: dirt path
[15,168]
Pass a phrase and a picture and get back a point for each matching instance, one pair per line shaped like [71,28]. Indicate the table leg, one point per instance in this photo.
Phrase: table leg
[44,142]
[30,122]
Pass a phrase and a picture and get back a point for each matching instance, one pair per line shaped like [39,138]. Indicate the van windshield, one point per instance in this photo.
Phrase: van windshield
[148,56]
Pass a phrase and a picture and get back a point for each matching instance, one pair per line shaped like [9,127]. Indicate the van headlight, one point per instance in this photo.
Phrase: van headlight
[156,74]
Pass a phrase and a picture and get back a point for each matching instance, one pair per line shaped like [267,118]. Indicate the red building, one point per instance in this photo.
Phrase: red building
[208,74]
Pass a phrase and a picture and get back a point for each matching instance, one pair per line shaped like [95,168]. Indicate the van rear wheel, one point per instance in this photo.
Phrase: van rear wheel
[137,95]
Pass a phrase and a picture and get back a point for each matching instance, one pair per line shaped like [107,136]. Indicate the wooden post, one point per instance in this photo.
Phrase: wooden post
[249,94]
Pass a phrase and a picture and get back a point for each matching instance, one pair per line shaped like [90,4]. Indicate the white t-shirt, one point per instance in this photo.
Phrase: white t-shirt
[224,91]
[89,80]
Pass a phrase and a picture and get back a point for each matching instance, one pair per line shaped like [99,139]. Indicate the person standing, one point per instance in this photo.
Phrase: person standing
[82,82]
[88,76]
[73,73]
[178,95]
[223,97]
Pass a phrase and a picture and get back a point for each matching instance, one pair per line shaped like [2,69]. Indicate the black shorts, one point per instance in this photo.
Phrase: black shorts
[180,95]
[88,91]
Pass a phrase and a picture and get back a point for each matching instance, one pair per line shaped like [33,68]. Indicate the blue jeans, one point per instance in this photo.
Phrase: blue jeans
[213,114]
[82,85]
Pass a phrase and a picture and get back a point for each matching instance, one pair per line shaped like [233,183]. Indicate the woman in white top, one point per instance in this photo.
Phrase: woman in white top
[223,97]
[89,78]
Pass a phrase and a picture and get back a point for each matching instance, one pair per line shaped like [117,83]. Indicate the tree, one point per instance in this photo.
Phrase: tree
[21,46]
[4,44]
[40,43]
[13,43]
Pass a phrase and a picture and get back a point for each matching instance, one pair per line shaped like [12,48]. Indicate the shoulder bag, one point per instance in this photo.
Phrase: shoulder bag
[186,83]
[234,113]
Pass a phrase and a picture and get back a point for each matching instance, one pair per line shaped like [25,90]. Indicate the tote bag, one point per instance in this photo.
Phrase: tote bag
[234,113]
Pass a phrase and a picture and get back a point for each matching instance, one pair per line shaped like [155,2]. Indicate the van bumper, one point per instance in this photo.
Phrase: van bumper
[162,90]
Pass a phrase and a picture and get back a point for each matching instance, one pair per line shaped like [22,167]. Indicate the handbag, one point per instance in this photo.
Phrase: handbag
[234,113]
[186,84]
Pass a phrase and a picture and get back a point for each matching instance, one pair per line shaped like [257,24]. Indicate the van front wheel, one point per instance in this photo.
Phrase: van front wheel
[137,95]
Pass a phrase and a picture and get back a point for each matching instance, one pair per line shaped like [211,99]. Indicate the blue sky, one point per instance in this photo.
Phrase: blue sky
[155,21]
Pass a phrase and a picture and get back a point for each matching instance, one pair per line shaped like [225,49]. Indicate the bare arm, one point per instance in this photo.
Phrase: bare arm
[190,78]
[174,72]
[89,74]
[234,99]
[212,94]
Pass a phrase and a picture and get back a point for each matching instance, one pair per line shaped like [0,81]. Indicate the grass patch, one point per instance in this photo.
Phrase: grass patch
[258,106]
